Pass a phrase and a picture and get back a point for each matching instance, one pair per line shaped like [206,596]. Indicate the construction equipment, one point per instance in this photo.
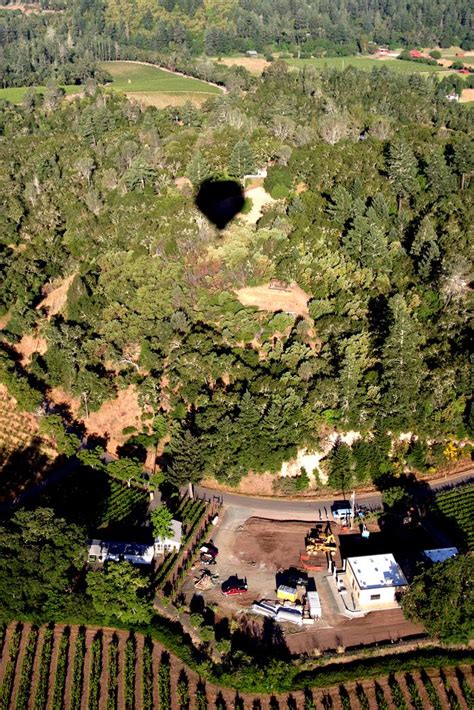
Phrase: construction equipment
[319,541]
[285,592]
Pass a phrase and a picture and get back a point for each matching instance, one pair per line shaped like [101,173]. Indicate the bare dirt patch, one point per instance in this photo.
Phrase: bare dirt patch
[30,344]
[252,484]
[260,199]
[467,96]
[274,543]
[159,99]
[254,65]
[294,300]
[110,420]
[56,297]
[114,416]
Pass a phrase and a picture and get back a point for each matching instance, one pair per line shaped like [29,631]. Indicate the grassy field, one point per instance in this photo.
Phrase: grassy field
[364,63]
[16,94]
[133,77]
[145,83]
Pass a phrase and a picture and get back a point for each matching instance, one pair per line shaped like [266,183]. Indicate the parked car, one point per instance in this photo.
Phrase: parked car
[234,587]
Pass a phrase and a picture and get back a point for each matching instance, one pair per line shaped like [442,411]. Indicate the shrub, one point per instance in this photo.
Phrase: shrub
[183,691]
[147,666]
[78,671]
[26,670]
[247,206]
[164,682]
[61,672]
[397,695]
[9,676]
[279,192]
[95,671]
[113,667]
[130,659]
[435,54]
[41,698]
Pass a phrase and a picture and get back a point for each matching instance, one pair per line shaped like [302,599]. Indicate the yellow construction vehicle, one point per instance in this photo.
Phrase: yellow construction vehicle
[319,541]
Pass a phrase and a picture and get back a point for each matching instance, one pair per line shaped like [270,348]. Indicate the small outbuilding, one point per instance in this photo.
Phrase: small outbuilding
[373,581]
[440,554]
[172,542]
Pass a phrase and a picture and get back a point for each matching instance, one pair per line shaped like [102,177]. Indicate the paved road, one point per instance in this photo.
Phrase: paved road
[285,509]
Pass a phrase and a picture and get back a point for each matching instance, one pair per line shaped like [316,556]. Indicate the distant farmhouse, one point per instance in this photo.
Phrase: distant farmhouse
[137,553]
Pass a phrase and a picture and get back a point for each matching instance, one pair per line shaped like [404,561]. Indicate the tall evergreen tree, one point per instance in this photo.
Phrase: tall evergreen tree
[198,169]
[340,467]
[186,458]
[402,170]
[403,368]
[242,161]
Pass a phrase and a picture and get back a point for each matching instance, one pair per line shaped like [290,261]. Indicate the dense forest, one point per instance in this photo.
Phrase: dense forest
[64,42]
[372,179]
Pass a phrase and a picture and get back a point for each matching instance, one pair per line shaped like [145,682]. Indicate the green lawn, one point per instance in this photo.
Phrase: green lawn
[15,95]
[132,77]
[365,63]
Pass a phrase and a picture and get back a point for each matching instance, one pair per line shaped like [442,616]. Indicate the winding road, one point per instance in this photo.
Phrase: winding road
[317,508]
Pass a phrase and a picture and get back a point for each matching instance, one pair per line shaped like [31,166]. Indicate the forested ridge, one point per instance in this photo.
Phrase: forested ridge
[373,219]
[65,43]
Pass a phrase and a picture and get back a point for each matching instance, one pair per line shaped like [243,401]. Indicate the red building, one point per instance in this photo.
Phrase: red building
[415,54]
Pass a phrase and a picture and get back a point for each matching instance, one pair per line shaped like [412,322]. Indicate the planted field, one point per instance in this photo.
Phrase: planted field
[15,94]
[456,509]
[363,63]
[115,670]
[157,87]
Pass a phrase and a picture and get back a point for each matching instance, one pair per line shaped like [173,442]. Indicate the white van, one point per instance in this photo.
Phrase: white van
[341,511]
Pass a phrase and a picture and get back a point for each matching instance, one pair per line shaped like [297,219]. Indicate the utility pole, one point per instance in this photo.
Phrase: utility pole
[353,496]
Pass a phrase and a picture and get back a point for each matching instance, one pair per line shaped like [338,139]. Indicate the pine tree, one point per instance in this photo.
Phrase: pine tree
[242,161]
[186,459]
[402,363]
[340,467]
[439,174]
[403,171]
[198,170]
[464,159]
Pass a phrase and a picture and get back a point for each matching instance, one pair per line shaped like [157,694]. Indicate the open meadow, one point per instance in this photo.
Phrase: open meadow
[363,63]
[156,87]
[256,65]
[15,94]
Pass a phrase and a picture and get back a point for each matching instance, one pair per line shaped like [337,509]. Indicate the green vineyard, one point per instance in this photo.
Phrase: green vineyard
[72,667]
[456,506]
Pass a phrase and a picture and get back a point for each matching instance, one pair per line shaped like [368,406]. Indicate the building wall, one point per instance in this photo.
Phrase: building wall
[370,599]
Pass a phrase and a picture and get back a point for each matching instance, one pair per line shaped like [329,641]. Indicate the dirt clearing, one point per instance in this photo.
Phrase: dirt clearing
[260,198]
[254,65]
[467,96]
[56,297]
[161,100]
[293,300]
[274,543]
[110,420]
[30,344]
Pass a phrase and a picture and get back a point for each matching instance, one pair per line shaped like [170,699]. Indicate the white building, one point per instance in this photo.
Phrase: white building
[172,543]
[441,554]
[373,581]
[109,551]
